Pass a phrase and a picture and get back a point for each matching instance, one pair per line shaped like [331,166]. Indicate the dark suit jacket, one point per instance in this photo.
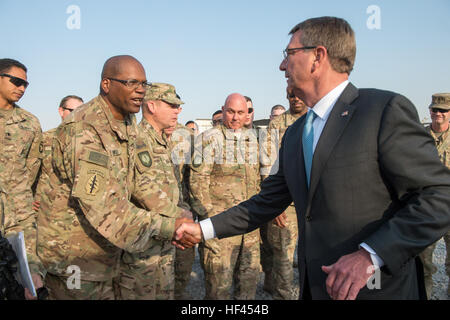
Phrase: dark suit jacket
[375,178]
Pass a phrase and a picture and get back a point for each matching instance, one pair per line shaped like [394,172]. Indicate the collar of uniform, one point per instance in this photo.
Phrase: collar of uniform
[129,120]
[152,132]
[17,115]
[229,134]
[442,137]
[290,114]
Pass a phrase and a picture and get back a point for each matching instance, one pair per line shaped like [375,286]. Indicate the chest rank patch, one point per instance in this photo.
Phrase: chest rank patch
[145,158]
[41,147]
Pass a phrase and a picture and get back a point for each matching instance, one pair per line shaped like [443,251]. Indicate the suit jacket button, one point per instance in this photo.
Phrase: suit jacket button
[308,218]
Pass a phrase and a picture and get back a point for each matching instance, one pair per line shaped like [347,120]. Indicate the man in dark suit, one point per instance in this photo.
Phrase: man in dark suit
[364,175]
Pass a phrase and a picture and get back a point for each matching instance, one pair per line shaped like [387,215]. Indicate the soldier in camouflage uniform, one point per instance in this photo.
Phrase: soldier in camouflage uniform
[279,237]
[20,135]
[150,274]
[440,131]
[224,172]
[181,139]
[88,219]
[66,106]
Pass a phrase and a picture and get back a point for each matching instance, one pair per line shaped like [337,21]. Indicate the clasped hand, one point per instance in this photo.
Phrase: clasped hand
[187,234]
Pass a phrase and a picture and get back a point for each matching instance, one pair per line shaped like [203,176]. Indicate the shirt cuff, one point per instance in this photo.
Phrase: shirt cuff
[376,260]
[207,229]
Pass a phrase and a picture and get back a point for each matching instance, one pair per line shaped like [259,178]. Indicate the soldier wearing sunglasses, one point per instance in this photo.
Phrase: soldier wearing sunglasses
[20,136]
[439,130]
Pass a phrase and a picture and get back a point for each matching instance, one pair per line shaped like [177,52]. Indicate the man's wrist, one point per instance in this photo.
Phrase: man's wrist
[207,229]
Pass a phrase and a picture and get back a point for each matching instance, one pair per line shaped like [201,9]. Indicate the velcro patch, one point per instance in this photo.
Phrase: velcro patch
[145,158]
[98,158]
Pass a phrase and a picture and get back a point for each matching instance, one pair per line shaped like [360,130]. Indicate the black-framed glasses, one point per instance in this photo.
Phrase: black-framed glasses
[18,82]
[133,83]
[289,51]
[436,110]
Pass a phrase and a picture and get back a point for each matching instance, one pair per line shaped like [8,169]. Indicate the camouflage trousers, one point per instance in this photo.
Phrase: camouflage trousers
[277,257]
[89,290]
[428,266]
[231,259]
[184,259]
[147,275]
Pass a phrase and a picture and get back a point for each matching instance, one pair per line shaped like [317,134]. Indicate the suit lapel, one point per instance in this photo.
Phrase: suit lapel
[337,121]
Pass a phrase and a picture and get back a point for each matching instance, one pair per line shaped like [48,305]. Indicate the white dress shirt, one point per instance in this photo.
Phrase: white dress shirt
[322,109]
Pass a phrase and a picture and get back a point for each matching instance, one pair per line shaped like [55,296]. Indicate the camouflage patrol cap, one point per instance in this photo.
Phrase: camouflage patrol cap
[441,101]
[163,91]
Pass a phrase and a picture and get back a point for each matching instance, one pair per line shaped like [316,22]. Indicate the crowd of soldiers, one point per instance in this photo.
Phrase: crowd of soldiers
[105,195]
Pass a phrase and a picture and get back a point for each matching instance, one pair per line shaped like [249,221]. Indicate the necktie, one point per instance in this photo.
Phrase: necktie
[307,140]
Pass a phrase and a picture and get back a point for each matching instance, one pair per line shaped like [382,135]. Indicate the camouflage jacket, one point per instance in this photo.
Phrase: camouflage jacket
[20,146]
[156,188]
[89,218]
[156,185]
[275,132]
[181,150]
[46,166]
[442,145]
[224,170]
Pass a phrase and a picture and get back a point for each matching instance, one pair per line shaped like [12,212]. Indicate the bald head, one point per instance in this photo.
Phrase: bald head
[234,111]
[235,98]
[116,65]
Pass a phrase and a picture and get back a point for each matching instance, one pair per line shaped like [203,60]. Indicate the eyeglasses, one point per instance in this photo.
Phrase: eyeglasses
[436,110]
[18,82]
[289,51]
[250,110]
[132,84]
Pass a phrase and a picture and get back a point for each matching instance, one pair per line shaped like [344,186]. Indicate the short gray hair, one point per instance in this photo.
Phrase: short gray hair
[333,33]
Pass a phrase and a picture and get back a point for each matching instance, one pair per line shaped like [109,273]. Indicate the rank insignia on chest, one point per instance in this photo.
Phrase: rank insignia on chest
[145,158]
[41,147]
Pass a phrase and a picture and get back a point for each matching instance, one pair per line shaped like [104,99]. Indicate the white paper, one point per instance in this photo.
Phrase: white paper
[23,274]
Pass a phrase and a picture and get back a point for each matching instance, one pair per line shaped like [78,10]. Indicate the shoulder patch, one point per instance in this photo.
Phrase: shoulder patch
[145,158]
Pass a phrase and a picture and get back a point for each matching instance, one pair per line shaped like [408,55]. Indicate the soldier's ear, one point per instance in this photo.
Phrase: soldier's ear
[151,105]
[104,85]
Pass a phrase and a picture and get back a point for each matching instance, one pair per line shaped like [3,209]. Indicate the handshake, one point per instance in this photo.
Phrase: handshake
[187,233]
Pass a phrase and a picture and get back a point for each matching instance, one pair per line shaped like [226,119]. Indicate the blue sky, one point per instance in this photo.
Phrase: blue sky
[209,49]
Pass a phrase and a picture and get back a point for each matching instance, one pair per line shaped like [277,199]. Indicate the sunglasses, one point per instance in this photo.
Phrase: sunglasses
[250,110]
[15,81]
[436,110]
